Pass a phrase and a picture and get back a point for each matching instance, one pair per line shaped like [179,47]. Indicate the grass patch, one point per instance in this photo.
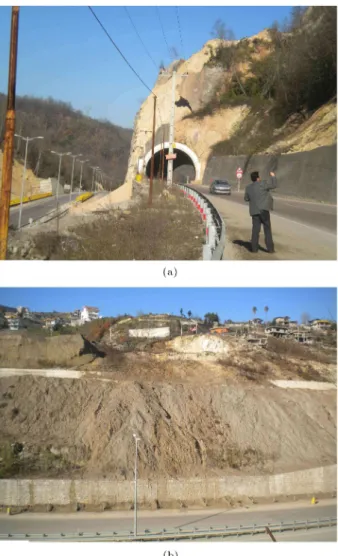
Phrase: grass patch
[170,230]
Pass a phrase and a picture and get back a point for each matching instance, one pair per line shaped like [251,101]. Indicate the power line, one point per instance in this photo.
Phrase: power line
[125,59]
[136,31]
[165,39]
[119,51]
[180,30]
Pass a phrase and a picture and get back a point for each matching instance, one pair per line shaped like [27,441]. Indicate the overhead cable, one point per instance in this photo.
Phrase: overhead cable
[141,41]
[119,51]
[165,38]
[180,31]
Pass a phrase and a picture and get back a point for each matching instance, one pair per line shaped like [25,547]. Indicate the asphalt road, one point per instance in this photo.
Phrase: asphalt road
[316,215]
[37,209]
[167,519]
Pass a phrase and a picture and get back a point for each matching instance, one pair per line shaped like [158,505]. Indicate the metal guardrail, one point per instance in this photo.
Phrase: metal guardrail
[176,534]
[215,227]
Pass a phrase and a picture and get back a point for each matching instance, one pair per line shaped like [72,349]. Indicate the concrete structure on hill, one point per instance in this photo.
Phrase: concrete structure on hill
[89,313]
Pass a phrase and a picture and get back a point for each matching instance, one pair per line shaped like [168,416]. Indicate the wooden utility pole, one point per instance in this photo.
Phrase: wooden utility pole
[150,199]
[7,161]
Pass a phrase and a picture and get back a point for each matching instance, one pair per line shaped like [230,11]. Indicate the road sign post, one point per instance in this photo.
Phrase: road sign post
[239,175]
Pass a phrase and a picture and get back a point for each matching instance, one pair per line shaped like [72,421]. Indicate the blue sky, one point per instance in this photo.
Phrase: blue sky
[229,303]
[64,54]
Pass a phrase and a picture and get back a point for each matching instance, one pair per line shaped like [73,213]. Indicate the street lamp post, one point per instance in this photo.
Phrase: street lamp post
[74,156]
[60,155]
[27,139]
[137,439]
[82,163]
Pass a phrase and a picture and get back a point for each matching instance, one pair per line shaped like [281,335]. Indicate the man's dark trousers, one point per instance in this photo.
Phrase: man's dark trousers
[257,221]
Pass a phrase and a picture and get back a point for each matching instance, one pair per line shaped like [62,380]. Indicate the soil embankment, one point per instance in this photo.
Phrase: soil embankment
[201,408]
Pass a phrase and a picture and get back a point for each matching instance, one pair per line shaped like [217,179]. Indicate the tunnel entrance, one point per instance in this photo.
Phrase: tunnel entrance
[183,166]
[186,166]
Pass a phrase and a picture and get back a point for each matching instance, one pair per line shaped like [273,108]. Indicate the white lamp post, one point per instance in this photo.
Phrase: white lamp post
[27,139]
[82,163]
[60,155]
[137,439]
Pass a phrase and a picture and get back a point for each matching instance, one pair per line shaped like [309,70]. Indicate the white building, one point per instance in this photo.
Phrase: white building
[15,323]
[282,321]
[320,324]
[89,313]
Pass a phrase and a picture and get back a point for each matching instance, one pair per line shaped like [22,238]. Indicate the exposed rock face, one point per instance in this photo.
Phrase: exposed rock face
[198,87]
[195,137]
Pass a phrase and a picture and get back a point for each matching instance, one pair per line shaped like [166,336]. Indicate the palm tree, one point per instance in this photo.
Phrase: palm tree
[254,310]
[181,312]
[189,314]
[266,310]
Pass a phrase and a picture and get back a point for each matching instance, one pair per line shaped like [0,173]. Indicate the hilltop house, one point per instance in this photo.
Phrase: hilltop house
[89,313]
[75,318]
[282,321]
[277,330]
[256,322]
[320,324]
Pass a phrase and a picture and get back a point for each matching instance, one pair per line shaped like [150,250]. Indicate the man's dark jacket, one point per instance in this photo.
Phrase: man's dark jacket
[259,196]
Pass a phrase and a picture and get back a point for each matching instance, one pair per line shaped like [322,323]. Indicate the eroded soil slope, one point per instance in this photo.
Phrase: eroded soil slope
[83,428]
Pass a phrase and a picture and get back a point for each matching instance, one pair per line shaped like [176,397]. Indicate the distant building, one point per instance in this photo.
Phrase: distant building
[256,322]
[15,323]
[283,321]
[89,313]
[75,318]
[320,324]
[277,331]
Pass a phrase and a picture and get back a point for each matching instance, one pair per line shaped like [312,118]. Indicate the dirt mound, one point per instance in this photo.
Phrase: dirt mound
[30,351]
[84,428]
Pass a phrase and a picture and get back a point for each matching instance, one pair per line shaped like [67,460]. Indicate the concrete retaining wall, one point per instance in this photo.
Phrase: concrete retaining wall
[308,174]
[163,332]
[64,492]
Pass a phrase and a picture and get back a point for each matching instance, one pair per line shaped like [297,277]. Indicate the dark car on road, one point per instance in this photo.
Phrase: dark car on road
[220,186]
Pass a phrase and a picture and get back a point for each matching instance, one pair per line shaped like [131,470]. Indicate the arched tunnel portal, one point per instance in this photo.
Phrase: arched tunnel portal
[186,165]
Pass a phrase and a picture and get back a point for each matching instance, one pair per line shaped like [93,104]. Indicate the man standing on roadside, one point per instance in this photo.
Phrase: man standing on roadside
[260,200]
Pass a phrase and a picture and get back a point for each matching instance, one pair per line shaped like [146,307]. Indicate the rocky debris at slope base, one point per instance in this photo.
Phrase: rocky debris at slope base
[186,430]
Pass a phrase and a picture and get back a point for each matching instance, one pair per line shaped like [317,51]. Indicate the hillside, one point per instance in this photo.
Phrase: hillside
[273,93]
[76,418]
[66,129]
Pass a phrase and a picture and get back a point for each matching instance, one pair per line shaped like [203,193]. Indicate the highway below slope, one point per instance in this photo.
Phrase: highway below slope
[302,230]
[316,215]
[122,521]
[37,209]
